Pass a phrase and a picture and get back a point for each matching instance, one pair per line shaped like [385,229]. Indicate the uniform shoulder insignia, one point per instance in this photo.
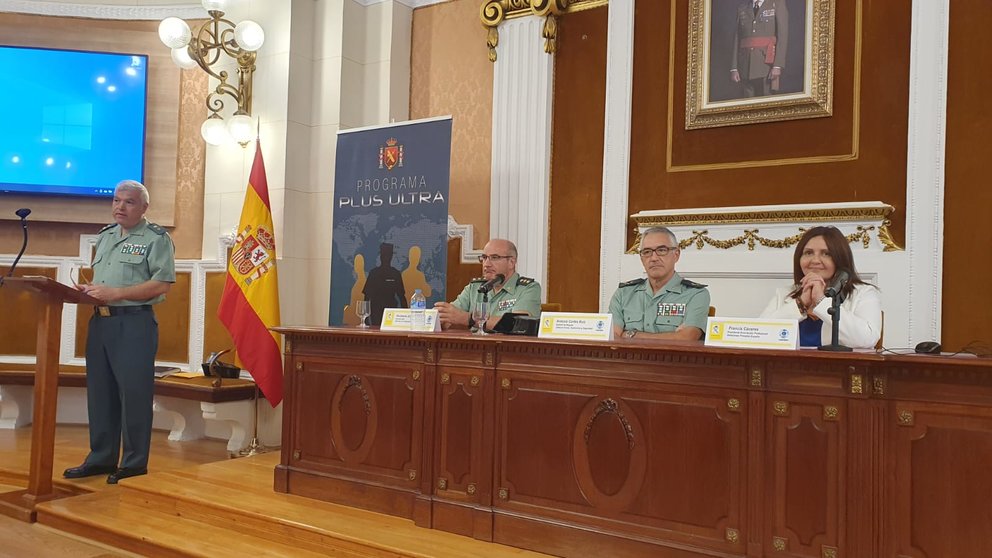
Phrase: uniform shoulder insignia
[478,280]
[521,280]
[108,227]
[157,229]
[693,284]
[632,282]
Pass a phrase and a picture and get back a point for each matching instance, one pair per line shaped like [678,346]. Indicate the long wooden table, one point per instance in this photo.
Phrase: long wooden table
[633,448]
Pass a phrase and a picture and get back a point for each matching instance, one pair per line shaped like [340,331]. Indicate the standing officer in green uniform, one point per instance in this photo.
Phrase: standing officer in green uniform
[664,305]
[760,40]
[516,294]
[134,266]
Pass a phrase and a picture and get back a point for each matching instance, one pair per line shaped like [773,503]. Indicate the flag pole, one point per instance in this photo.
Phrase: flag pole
[254,447]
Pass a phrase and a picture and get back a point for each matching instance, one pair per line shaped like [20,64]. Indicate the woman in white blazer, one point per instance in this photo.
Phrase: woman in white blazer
[821,252]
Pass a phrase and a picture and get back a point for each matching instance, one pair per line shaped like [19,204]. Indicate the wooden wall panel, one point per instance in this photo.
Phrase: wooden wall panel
[450,73]
[967,196]
[577,161]
[174,152]
[215,335]
[858,154]
[876,115]
[173,323]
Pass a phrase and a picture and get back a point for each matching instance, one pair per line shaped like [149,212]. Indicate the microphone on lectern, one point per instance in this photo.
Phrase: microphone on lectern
[23,214]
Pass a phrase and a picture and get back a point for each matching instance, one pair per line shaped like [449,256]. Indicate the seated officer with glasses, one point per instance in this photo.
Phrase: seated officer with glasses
[133,268]
[517,294]
[664,305]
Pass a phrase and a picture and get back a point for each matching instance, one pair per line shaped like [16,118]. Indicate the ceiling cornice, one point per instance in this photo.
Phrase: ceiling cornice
[103,11]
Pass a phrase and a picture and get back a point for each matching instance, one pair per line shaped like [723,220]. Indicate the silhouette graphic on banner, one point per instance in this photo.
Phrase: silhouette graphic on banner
[357,292]
[384,286]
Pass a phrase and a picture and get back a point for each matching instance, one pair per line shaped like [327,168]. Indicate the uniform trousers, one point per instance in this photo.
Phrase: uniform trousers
[120,383]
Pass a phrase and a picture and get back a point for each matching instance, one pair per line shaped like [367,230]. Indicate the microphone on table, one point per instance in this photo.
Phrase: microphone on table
[840,278]
[23,214]
[492,283]
[838,282]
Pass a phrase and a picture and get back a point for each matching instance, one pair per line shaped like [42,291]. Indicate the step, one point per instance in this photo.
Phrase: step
[237,496]
[105,518]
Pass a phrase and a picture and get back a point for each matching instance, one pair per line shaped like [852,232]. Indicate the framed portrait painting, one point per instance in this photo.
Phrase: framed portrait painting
[753,61]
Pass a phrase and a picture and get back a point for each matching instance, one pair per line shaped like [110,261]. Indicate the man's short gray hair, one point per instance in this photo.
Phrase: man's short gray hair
[512,249]
[134,186]
[662,230]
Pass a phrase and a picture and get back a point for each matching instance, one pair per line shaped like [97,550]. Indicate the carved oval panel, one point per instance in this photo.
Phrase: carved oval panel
[609,454]
[353,419]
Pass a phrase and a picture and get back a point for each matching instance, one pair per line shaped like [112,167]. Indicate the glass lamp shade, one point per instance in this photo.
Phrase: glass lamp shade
[182,58]
[215,5]
[240,128]
[249,35]
[174,32]
[214,132]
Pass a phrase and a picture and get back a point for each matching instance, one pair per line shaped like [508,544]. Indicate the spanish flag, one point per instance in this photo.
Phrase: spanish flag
[250,303]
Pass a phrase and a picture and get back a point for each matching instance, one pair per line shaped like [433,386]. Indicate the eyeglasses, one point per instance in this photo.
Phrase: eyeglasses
[494,258]
[660,250]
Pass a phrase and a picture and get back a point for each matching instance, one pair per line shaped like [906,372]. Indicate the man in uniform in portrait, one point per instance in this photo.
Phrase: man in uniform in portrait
[761,37]
[133,268]
[664,305]
[515,294]
[384,286]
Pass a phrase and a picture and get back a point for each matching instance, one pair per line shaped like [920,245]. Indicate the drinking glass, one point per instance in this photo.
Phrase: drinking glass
[480,313]
[363,310]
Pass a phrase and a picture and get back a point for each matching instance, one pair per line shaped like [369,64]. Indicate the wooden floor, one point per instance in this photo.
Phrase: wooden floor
[197,502]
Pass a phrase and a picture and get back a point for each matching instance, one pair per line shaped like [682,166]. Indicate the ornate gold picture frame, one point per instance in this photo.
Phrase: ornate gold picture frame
[749,64]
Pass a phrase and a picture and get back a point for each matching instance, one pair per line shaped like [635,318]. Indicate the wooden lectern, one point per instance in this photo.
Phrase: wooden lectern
[53,295]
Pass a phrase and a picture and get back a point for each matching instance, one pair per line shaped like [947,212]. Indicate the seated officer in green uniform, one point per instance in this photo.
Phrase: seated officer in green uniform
[664,305]
[516,294]
[133,267]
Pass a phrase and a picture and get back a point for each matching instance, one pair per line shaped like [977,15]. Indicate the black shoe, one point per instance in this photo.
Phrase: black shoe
[87,470]
[124,473]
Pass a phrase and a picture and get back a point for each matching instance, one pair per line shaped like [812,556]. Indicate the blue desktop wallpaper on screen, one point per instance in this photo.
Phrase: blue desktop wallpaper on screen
[70,122]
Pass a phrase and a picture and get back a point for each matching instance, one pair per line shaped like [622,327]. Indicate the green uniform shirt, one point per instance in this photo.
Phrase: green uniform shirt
[635,307]
[145,253]
[519,294]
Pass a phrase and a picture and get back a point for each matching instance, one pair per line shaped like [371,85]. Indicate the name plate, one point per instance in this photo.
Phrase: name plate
[752,333]
[575,325]
[401,319]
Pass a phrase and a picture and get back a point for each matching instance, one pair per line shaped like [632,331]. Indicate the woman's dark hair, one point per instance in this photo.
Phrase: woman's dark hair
[840,253]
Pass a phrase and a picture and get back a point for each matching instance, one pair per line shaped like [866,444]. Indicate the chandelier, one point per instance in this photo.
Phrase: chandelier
[205,47]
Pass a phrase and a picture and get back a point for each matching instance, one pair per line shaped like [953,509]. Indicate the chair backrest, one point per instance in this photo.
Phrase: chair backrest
[551,307]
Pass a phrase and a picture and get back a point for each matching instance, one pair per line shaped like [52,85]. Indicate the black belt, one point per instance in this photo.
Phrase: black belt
[107,311]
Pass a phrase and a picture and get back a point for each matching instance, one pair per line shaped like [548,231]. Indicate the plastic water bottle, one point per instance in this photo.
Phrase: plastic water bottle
[418,308]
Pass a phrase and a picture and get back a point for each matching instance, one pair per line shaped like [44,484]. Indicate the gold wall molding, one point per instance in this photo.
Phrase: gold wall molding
[762,215]
[495,12]
[817,101]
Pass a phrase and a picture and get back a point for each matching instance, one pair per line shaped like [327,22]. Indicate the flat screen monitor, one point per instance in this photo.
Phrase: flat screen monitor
[71,122]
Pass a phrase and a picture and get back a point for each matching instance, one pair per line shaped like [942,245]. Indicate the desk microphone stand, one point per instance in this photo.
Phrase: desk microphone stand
[834,311]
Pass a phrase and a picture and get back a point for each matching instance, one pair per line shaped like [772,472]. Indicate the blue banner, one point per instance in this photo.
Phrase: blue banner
[390,217]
